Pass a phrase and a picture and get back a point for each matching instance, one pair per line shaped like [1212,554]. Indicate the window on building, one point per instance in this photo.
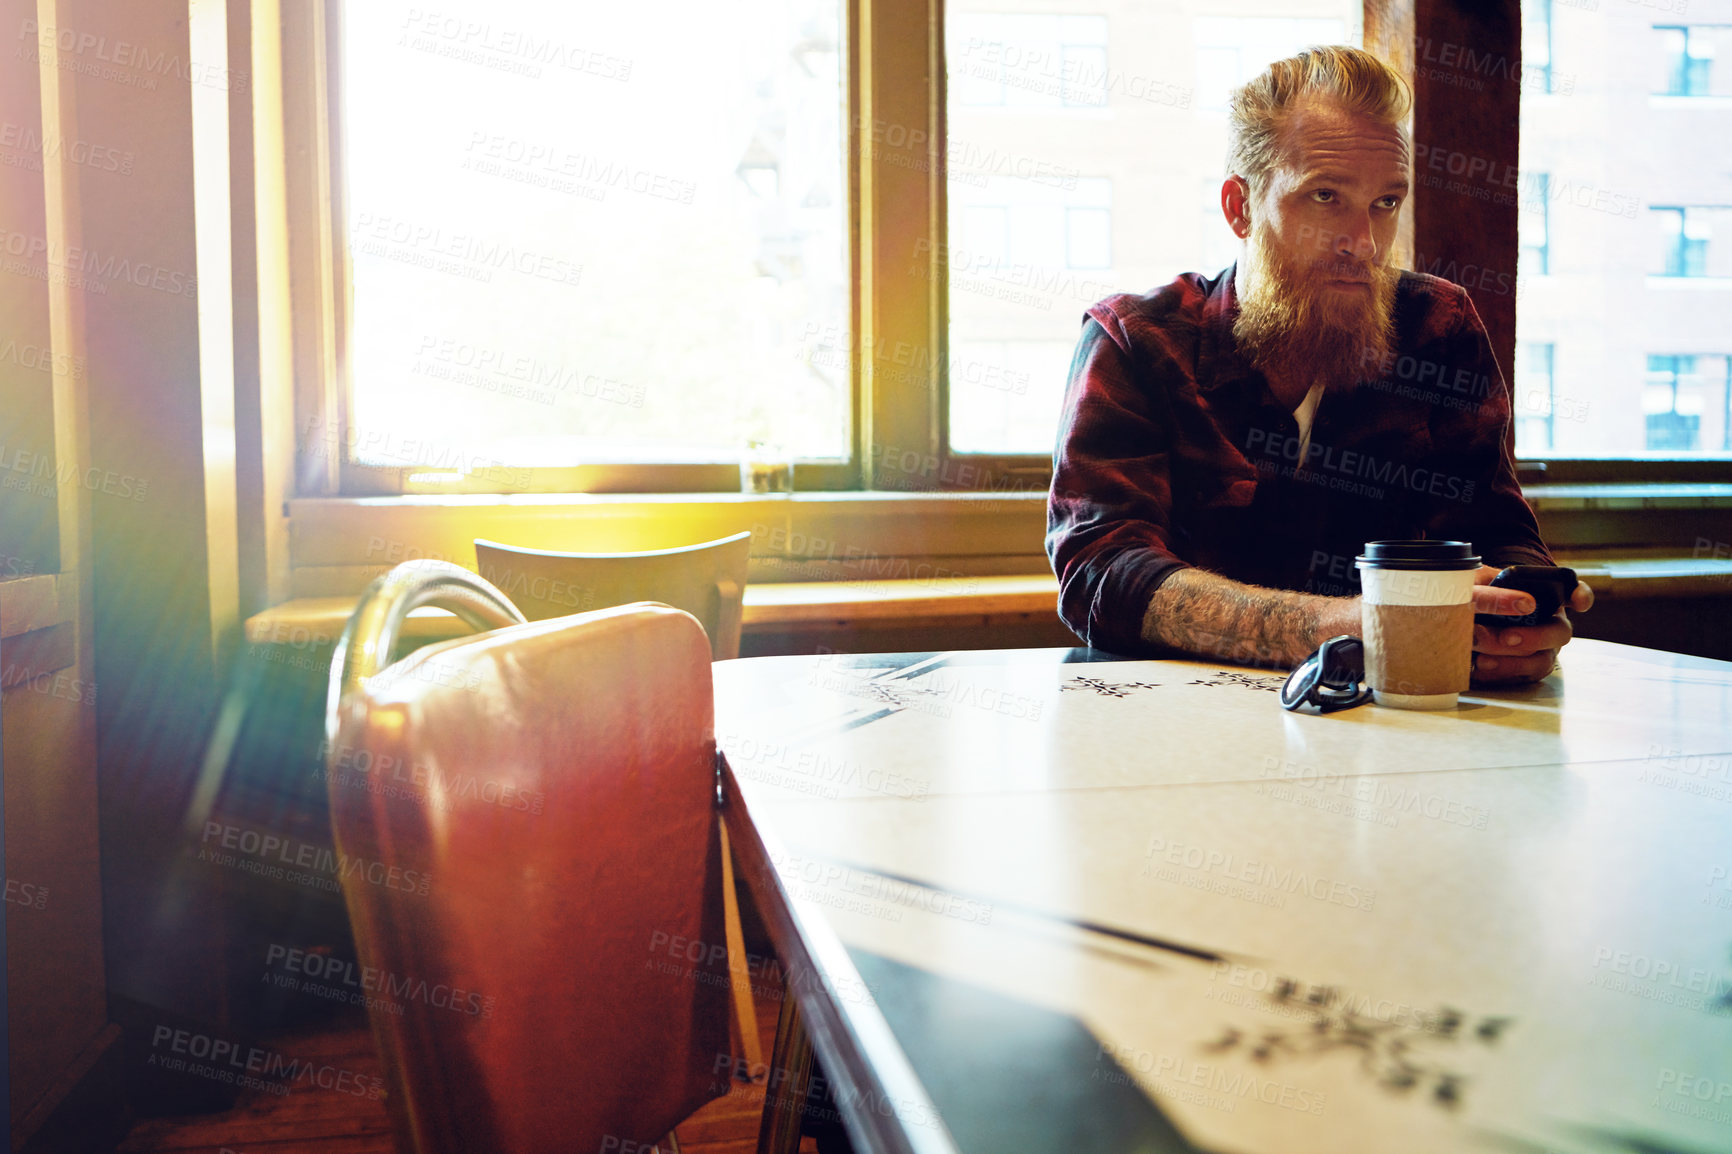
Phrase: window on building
[1684,234]
[1689,59]
[1533,226]
[1612,263]
[1537,45]
[1535,398]
[1685,399]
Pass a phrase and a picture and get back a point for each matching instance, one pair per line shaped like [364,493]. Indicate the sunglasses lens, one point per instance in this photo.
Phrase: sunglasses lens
[1329,678]
[1301,685]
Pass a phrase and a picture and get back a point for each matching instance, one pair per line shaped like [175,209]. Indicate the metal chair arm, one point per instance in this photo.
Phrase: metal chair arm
[369,640]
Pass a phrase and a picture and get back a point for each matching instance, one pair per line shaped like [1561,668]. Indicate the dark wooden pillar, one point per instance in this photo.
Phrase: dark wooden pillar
[1464,60]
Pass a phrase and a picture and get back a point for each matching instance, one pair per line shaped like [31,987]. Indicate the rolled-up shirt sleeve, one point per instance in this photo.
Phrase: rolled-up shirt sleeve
[1474,448]
[1109,512]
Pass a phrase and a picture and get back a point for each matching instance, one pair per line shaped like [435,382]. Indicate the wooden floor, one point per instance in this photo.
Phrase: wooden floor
[308,1120]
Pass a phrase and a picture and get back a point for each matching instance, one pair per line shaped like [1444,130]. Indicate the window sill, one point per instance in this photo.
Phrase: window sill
[339,544]
[31,603]
[1549,498]
[36,630]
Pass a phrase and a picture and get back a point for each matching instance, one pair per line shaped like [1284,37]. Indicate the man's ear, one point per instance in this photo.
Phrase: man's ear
[1236,205]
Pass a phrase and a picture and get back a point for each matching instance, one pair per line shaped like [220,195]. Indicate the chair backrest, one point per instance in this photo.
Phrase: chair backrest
[525,824]
[707,580]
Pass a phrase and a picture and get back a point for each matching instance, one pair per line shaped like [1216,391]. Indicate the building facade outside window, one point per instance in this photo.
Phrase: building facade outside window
[1621,234]
[1689,60]
[1533,226]
[1535,399]
[1687,402]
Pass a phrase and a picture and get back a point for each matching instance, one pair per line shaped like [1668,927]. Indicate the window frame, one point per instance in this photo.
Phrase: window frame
[895,77]
[1679,80]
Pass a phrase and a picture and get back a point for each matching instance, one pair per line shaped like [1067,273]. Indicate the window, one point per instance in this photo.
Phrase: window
[1685,401]
[1533,227]
[1689,59]
[1613,264]
[595,243]
[1535,399]
[1056,201]
[692,274]
[1684,234]
[1000,60]
[1537,44]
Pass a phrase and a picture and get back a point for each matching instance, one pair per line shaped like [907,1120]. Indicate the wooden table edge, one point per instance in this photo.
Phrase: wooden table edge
[871,1068]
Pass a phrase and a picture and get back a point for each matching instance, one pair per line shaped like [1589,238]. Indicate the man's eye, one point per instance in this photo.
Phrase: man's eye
[1323,195]
[1389,202]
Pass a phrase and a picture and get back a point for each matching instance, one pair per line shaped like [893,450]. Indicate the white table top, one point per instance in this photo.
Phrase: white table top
[1517,916]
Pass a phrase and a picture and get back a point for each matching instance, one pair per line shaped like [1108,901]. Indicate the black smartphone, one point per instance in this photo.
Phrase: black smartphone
[1549,585]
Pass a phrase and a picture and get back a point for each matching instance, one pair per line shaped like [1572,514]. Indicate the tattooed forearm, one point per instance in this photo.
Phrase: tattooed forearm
[1210,615]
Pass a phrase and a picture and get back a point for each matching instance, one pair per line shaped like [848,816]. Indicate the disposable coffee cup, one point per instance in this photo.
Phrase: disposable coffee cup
[1418,621]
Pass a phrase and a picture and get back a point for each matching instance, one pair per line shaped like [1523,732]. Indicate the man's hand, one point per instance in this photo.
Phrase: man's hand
[1520,653]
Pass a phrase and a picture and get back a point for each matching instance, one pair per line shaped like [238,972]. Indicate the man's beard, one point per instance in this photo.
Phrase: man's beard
[1294,327]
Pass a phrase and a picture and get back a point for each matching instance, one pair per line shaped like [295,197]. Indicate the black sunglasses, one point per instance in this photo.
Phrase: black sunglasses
[1330,678]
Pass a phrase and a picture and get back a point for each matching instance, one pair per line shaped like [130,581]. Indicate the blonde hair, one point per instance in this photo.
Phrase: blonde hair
[1351,78]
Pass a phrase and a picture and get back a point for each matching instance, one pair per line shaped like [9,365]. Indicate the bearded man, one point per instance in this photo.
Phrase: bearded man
[1230,443]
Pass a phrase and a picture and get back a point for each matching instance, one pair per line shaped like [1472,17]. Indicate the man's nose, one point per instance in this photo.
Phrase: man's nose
[1357,242]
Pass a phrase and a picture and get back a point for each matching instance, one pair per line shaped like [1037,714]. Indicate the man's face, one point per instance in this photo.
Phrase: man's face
[1319,286]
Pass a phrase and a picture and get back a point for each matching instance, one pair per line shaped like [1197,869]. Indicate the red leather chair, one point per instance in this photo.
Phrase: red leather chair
[551,786]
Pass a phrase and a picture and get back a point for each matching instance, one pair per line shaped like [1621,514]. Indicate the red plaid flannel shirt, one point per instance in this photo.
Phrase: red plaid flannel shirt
[1172,452]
